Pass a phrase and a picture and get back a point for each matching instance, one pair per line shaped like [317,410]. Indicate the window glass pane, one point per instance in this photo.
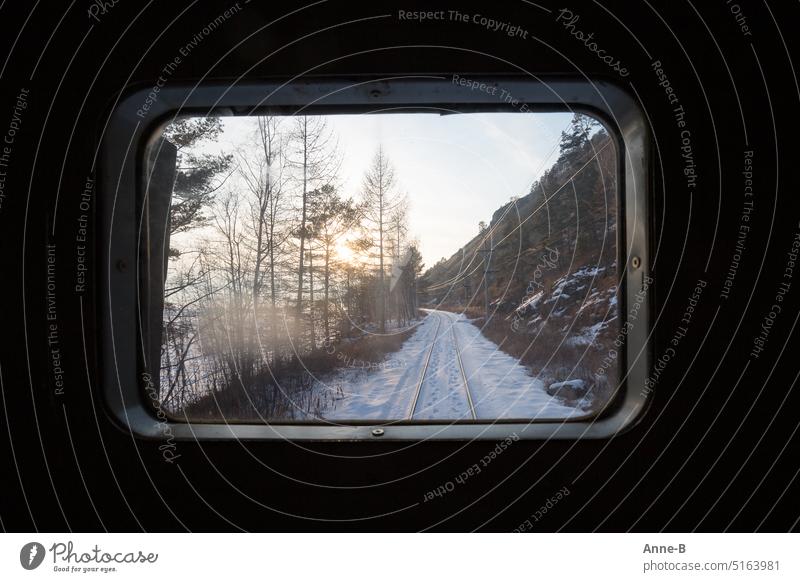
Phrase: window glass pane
[383,267]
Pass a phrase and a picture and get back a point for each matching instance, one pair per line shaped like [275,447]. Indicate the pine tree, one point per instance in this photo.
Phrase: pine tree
[576,138]
[197,176]
[332,218]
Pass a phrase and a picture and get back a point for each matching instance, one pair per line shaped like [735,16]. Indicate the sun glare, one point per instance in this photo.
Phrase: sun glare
[344,252]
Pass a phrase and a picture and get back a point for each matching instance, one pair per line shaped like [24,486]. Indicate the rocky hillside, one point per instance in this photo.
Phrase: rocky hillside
[552,275]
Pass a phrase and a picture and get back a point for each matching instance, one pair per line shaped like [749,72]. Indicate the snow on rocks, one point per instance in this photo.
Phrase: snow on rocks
[583,302]
[576,387]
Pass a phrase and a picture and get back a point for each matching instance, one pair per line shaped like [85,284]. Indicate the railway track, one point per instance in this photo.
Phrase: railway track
[462,373]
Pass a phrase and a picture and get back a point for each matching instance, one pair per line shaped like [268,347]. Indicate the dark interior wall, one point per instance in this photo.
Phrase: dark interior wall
[714,450]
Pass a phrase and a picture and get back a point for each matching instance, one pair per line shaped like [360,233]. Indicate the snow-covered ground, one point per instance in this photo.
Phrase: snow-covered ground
[500,387]
[443,394]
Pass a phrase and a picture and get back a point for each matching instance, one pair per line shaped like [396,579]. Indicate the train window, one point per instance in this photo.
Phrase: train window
[404,259]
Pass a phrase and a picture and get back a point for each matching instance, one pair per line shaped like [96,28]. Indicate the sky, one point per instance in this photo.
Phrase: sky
[456,170]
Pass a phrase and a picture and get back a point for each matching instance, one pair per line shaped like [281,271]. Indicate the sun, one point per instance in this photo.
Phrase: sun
[343,250]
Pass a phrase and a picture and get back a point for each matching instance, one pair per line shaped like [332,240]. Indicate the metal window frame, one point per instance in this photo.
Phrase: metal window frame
[119,181]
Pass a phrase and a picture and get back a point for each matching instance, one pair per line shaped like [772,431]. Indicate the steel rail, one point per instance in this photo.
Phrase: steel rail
[424,369]
[463,374]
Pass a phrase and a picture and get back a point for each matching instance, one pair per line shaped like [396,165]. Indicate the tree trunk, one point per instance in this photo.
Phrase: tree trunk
[274,315]
[381,291]
[327,287]
[303,222]
[311,291]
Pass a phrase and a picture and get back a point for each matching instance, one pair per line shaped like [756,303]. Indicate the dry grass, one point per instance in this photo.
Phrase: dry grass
[284,390]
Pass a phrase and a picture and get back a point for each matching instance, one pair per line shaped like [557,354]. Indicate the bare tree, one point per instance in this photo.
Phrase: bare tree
[316,159]
[233,260]
[379,202]
[398,226]
[263,174]
[397,229]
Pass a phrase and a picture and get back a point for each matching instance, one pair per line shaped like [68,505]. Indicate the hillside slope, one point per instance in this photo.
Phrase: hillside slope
[552,281]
